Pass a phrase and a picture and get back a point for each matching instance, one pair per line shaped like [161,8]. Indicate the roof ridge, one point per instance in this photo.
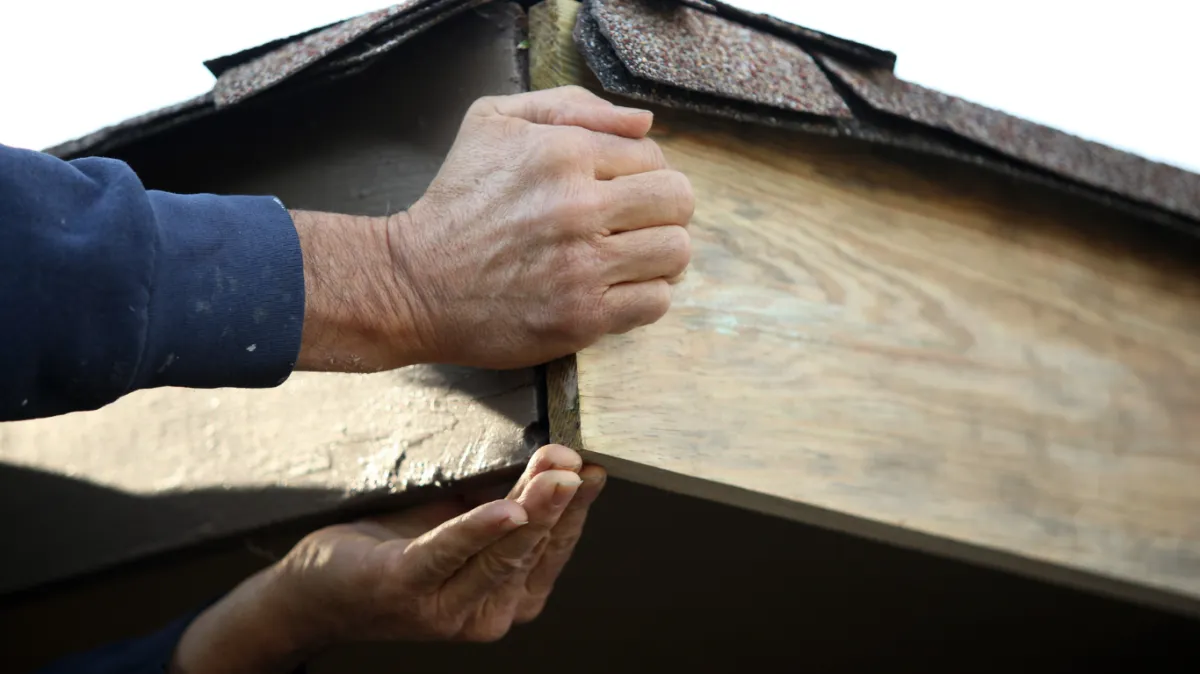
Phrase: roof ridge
[275,66]
[405,19]
[804,36]
[218,65]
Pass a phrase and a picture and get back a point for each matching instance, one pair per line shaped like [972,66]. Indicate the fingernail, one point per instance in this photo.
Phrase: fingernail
[631,111]
[515,522]
[564,491]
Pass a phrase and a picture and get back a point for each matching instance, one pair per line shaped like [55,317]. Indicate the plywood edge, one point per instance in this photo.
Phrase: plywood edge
[553,59]
[554,62]
[562,400]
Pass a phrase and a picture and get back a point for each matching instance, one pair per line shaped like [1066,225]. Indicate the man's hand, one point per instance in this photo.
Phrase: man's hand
[553,221]
[440,571]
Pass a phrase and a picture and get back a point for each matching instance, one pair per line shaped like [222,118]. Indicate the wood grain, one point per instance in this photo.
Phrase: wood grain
[916,351]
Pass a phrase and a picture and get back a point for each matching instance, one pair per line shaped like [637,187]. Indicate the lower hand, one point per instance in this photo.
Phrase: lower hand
[440,571]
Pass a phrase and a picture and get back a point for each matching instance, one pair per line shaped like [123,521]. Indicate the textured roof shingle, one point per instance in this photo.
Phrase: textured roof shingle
[742,65]
[324,52]
[1069,156]
[680,46]
[102,140]
[333,48]
[273,67]
[807,37]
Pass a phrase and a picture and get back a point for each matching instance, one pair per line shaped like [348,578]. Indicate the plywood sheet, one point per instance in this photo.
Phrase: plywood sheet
[914,351]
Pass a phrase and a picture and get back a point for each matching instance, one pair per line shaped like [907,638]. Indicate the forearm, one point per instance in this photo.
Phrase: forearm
[249,631]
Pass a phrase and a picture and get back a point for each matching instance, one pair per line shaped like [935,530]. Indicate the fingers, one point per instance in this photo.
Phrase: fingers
[560,545]
[440,555]
[661,197]
[544,500]
[574,106]
[632,305]
[550,457]
[616,156]
[646,254]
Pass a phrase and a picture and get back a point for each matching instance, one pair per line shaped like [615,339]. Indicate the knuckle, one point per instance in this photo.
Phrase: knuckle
[581,209]
[488,631]
[653,154]
[648,307]
[500,567]
[680,189]
[530,608]
[562,544]
[542,150]
[482,105]
[438,559]
[438,620]
[576,93]
[561,147]
[446,627]
[679,251]
[589,325]
[660,304]
[580,140]
[574,323]
[576,264]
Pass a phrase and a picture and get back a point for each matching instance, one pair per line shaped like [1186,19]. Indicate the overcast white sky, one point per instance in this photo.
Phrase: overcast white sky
[1121,73]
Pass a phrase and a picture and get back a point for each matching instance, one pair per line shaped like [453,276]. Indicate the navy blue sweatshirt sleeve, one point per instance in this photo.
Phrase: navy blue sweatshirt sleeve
[106,287]
[146,655]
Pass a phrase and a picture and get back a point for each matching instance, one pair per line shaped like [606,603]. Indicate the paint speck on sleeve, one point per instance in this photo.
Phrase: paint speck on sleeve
[252,347]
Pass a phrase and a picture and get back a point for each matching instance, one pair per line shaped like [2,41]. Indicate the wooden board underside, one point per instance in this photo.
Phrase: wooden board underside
[170,468]
[911,350]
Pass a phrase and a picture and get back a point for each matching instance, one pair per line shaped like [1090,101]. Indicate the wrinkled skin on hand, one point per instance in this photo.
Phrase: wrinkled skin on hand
[553,222]
[445,571]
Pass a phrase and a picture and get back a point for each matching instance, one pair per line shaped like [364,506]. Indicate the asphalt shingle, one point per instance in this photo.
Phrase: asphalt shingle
[1064,154]
[276,66]
[680,46]
[682,54]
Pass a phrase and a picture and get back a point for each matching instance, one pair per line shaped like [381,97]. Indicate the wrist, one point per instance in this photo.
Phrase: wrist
[253,629]
[358,315]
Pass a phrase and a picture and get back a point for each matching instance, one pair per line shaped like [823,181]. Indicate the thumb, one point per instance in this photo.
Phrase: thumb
[431,560]
[575,106]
